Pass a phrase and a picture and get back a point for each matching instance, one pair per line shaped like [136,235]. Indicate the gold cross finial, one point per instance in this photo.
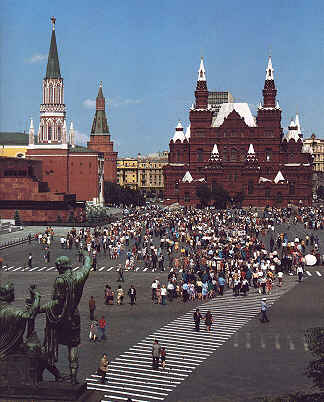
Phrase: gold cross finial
[53,20]
[100,84]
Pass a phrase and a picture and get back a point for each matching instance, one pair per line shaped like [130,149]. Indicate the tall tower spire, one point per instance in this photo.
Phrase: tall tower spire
[100,138]
[201,92]
[53,65]
[52,109]
[100,125]
[269,90]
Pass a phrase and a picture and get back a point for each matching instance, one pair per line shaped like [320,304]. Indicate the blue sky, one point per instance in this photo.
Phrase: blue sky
[147,54]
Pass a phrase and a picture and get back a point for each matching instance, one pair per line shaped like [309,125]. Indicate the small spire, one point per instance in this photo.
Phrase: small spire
[279,177]
[64,136]
[31,132]
[72,135]
[292,123]
[202,71]
[187,177]
[297,124]
[53,20]
[269,71]
[277,105]
[215,150]
[251,150]
[179,126]
[187,135]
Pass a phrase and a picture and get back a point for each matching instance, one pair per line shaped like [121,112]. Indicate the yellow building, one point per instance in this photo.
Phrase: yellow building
[127,172]
[144,173]
[150,173]
[13,145]
[317,146]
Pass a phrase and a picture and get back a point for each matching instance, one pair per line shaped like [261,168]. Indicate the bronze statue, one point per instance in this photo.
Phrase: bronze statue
[13,321]
[62,314]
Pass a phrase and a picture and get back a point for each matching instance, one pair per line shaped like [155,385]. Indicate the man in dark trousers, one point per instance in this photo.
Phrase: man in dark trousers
[132,295]
[92,307]
[264,308]
[30,260]
[197,317]
[156,351]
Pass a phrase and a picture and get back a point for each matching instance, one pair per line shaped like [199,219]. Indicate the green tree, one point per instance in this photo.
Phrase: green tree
[320,192]
[17,219]
[220,196]
[204,194]
[238,198]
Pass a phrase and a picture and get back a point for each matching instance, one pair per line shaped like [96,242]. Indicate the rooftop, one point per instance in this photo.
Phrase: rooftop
[13,138]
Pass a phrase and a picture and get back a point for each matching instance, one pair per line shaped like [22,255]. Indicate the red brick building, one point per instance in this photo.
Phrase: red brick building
[67,168]
[241,152]
[22,189]
[100,139]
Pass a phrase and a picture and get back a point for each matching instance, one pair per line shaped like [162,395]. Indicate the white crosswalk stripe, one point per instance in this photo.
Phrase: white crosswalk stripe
[131,375]
[45,268]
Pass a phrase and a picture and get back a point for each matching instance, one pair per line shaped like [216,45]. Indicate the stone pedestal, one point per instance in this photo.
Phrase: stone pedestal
[19,380]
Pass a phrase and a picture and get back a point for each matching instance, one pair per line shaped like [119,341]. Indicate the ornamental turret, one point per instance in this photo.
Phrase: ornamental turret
[269,90]
[201,92]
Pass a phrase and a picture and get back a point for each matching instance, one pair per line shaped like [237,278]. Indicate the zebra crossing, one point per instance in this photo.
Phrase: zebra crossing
[7,268]
[104,268]
[131,375]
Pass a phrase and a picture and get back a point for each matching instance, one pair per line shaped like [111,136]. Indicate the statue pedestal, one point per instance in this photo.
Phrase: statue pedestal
[19,380]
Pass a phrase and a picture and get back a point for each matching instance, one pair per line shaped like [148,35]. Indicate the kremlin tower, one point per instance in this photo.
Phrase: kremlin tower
[100,138]
[67,168]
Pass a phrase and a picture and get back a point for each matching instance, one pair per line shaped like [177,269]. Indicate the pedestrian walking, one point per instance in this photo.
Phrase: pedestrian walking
[93,331]
[30,260]
[163,357]
[92,307]
[120,295]
[208,320]
[197,317]
[132,295]
[103,367]
[102,328]
[120,274]
[264,308]
[300,273]
[156,350]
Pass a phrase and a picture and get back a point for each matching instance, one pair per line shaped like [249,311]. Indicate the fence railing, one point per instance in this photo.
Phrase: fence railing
[15,242]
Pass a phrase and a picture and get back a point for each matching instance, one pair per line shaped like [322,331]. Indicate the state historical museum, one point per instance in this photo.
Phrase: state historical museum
[242,153]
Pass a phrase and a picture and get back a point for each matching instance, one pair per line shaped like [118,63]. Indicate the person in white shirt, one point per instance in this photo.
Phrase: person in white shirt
[280,277]
[300,273]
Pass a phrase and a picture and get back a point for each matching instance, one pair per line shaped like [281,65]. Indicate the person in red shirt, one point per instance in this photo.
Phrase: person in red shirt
[102,328]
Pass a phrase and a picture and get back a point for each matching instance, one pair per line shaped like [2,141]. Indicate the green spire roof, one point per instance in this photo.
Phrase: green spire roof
[53,65]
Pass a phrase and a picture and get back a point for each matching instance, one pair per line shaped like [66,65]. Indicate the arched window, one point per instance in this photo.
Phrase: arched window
[178,156]
[59,133]
[234,155]
[291,188]
[49,133]
[268,154]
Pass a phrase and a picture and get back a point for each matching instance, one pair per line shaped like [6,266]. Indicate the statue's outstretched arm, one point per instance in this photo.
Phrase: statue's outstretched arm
[34,308]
